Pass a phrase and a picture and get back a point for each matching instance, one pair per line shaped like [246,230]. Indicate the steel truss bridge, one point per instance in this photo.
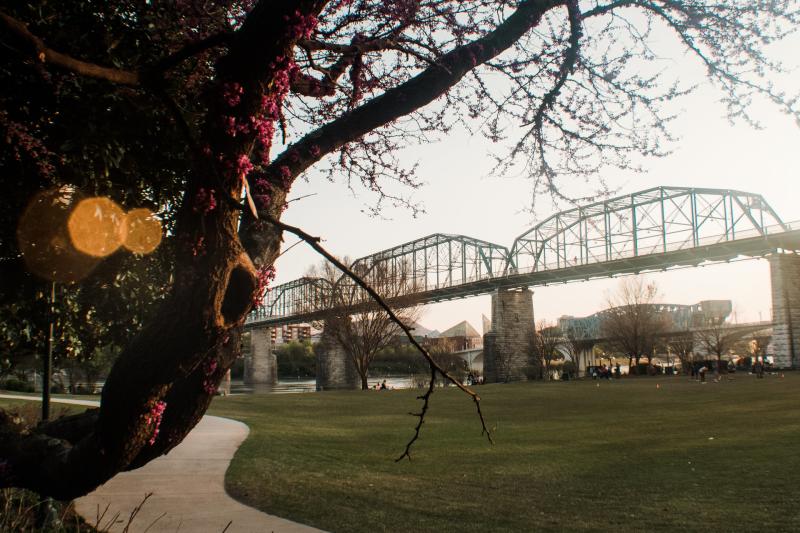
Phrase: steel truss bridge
[649,230]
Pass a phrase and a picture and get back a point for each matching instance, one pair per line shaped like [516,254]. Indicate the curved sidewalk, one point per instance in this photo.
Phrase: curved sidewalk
[187,486]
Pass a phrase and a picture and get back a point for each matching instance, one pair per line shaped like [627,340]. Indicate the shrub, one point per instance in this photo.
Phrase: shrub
[18,385]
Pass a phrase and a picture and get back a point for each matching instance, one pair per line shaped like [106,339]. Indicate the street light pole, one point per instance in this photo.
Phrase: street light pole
[48,361]
[47,517]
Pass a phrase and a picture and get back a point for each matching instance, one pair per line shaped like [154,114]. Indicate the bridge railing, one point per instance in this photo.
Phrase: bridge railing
[670,247]
[444,266]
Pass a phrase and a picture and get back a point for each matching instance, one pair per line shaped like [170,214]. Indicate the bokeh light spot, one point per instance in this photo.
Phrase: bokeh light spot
[97,226]
[44,241]
[143,231]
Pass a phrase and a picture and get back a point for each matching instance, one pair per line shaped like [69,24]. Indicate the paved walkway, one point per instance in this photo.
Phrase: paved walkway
[187,486]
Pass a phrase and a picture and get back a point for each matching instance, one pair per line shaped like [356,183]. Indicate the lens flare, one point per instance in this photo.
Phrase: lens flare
[45,242]
[143,231]
[97,226]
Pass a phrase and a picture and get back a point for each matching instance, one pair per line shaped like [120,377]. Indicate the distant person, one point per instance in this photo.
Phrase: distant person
[383,385]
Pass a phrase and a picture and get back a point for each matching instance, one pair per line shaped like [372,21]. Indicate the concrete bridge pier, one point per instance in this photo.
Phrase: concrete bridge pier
[335,368]
[261,366]
[785,273]
[509,344]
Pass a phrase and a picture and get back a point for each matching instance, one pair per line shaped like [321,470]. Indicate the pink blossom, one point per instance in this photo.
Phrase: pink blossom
[232,93]
[209,384]
[199,248]
[300,26]
[153,418]
[243,165]
[265,276]
[229,123]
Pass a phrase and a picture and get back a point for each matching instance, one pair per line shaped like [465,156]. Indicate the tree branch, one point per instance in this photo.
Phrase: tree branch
[396,102]
[314,242]
[37,47]
[191,49]
[46,55]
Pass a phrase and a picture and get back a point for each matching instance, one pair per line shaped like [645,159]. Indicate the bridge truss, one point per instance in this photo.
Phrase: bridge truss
[649,230]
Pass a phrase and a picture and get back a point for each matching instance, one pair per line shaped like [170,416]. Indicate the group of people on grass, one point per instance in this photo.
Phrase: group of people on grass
[605,372]
[472,379]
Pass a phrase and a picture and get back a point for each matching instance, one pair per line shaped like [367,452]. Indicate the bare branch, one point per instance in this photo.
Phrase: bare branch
[314,242]
[191,49]
[46,55]
[37,47]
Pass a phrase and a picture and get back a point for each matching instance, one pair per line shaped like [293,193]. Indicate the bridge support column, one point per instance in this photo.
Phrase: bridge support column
[509,344]
[261,367]
[785,273]
[335,368]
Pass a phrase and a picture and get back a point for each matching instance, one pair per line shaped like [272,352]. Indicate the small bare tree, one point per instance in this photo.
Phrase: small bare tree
[717,339]
[578,346]
[545,341]
[633,322]
[682,345]
[358,323]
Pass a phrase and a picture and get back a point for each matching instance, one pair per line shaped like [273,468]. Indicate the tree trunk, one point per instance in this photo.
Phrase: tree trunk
[364,384]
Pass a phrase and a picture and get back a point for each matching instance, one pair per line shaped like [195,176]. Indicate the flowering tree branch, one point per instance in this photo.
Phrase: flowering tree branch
[399,101]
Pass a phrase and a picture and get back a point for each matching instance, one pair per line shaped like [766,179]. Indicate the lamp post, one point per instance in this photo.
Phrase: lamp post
[47,371]
[47,516]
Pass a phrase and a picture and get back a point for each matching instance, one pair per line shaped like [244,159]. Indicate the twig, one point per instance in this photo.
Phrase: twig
[314,242]
[227,526]
[162,515]
[287,202]
[136,511]
[289,248]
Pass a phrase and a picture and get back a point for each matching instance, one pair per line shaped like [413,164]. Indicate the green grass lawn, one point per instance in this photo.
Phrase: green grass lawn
[624,456]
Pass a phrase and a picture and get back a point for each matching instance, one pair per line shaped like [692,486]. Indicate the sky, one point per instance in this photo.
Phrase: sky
[459,197]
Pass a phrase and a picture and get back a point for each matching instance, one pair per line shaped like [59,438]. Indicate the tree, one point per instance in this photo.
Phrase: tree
[578,346]
[181,107]
[363,334]
[682,345]
[296,359]
[633,322]
[546,340]
[717,339]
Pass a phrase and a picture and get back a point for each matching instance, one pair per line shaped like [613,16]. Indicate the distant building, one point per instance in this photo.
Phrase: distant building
[289,333]
[683,318]
[460,337]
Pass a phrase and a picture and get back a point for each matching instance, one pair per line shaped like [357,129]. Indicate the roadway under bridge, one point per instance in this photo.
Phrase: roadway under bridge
[651,230]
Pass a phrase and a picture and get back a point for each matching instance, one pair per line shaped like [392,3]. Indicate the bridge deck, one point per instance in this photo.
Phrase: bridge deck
[717,252]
